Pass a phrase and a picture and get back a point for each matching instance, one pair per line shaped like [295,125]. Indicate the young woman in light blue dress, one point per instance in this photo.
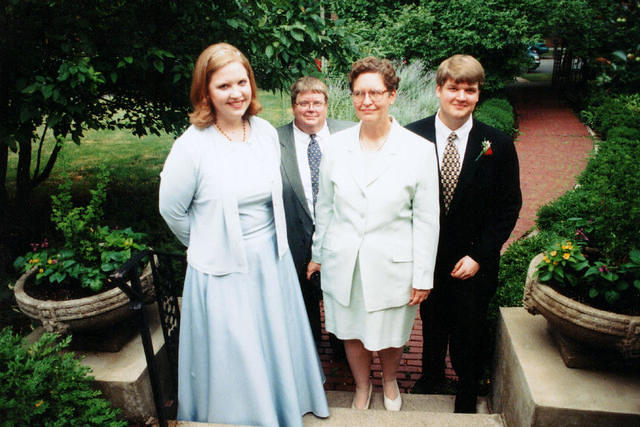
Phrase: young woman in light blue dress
[246,353]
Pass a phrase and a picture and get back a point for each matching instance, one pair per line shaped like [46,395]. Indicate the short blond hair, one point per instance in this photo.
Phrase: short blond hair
[308,84]
[211,60]
[460,68]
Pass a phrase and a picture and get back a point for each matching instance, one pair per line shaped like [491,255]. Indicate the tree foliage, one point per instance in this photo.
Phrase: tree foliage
[494,31]
[605,35]
[72,65]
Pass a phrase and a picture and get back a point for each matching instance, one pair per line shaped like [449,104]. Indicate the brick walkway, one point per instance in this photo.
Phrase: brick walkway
[553,148]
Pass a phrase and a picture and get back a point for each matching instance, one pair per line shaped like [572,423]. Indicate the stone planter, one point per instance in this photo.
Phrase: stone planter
[82,314]
[580,323]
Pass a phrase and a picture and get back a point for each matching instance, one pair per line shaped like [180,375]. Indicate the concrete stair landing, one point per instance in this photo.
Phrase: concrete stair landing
[417,410]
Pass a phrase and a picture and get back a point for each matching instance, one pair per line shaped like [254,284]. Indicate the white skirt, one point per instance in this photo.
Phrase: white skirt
[377,330]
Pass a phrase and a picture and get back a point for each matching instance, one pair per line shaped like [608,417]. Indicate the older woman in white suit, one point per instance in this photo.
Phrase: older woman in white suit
[376,231]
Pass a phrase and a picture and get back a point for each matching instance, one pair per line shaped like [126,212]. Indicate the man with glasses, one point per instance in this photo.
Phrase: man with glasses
[301,144]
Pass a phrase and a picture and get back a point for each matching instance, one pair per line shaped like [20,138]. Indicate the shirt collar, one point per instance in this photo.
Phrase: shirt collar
[322,133]
[462,132]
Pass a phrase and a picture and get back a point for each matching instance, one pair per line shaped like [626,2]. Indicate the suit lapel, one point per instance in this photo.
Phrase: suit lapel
[290,167]
[387,155]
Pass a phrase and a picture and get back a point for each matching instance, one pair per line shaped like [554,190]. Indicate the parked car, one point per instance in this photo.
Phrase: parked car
[539,48]
[534,59]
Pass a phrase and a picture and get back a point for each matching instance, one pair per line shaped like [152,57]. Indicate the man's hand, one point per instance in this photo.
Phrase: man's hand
[465,269]
[312,268]
[418,295]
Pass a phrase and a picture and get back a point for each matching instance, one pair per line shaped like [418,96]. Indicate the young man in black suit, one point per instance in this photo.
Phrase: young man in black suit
[480,202]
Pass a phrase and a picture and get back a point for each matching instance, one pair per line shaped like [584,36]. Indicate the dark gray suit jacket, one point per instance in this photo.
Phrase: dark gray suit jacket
[299,219]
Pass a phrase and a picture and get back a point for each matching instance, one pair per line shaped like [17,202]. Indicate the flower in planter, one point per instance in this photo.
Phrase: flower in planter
[562,263]
[90,251]
[606,282]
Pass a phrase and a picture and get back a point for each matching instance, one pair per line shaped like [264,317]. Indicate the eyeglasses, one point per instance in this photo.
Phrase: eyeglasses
[306,104]
[374,95]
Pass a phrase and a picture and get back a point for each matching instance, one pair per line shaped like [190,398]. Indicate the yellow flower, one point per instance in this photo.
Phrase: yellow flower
[546,259]
[554,253]
[555,262]
[39,403]
[91,229]
[49,261]
[566,255]
[36,260]
[568,246]
[41,270]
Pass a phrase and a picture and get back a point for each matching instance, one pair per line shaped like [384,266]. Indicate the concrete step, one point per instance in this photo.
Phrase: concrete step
[410,402]
[379,417]
[417,410]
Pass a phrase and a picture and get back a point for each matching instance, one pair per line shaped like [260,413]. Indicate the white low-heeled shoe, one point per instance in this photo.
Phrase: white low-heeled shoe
[366,406]
[392,404]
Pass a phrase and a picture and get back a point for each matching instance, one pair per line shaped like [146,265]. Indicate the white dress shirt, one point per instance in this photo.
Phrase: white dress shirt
[462,137]
[302,141]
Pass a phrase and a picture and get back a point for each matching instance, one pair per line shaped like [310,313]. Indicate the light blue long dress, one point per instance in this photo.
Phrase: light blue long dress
[246,353]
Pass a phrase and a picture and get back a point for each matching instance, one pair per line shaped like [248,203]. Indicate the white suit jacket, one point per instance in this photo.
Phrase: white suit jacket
[199,206]
[389,223]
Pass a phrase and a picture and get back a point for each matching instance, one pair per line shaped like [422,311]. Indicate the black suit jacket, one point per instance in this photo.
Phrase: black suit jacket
[299,219]
[485,204]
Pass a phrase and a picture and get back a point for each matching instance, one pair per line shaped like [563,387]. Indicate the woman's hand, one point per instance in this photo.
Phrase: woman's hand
[312,268]
[418,295]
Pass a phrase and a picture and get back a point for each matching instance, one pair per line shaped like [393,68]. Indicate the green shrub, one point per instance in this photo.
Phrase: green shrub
[614,176]
[554,216]
[513,270]
[608,112]
[497,112]
[41,385]
[623,132]
[496,33]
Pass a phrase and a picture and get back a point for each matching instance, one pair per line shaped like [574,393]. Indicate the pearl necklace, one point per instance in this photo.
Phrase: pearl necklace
[244,131]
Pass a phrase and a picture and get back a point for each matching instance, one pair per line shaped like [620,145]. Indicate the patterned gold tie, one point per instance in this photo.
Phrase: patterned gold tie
[450,170]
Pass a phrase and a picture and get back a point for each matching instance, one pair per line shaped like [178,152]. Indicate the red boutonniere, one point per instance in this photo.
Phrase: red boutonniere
[486,149]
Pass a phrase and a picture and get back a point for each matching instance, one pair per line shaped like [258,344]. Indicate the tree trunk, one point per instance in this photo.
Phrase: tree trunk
[23,174]
[4,196]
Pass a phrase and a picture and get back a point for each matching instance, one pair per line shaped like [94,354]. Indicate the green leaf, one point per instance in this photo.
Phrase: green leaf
[545,277]
[30,89]
[622,285]
[593,292]
[611,297]
[114,76]
[297,35]
[620,55]
[636,283]
[269,51]
[159,65]
[128,59]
